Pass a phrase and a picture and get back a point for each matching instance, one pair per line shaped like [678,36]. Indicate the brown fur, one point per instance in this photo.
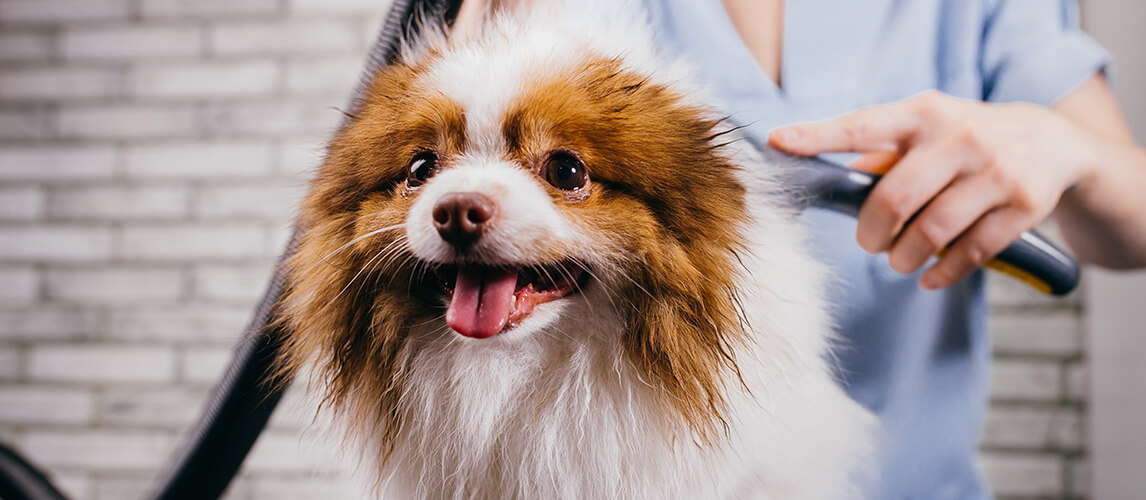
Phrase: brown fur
[660,191]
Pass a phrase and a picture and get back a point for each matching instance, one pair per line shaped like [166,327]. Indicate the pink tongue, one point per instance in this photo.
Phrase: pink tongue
[482,302]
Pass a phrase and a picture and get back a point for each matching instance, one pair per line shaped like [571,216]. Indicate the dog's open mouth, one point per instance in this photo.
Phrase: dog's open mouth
[484,300]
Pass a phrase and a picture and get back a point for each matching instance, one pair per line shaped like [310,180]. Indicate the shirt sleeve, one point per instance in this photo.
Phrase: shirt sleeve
[1034,51]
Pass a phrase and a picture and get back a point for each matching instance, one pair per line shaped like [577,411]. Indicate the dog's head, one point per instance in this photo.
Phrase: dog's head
[483,188]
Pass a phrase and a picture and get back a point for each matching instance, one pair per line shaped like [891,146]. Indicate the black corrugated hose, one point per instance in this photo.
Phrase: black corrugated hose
[243,400]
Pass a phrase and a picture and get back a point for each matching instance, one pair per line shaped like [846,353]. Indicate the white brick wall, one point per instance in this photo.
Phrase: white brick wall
[24,405]
[58,83]
[131,43]
[110,122]
[56,163]
[151,152]
[50,12]
[199,160]
[101,364]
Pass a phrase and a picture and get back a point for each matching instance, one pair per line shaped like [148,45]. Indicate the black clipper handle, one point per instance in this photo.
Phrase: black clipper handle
[1031,259]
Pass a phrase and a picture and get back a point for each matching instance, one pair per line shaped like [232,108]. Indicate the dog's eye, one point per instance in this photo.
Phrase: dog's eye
[422,167]
[564,171]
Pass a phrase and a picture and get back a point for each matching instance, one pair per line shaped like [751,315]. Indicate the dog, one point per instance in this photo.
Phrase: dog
[537,263]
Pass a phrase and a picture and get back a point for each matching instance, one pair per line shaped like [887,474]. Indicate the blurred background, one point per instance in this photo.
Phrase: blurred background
[151,152]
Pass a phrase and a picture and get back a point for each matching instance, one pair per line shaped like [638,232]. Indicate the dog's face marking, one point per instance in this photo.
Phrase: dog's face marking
[600,178]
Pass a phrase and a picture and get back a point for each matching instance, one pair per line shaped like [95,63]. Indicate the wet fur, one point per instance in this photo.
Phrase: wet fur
[692,366]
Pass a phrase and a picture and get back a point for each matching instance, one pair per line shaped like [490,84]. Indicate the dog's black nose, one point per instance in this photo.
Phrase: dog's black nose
[460,218]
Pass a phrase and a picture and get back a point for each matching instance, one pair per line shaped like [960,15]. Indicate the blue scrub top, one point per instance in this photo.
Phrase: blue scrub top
[918,359]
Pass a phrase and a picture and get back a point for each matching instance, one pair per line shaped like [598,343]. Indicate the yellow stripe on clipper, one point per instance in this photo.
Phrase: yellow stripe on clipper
[1019,274]
[1012,271]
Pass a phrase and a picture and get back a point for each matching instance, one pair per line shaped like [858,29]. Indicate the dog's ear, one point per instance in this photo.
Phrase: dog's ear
[345,307]
[683,330]
[351,330]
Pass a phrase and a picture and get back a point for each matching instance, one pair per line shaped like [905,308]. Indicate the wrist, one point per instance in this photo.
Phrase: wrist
[1090,165]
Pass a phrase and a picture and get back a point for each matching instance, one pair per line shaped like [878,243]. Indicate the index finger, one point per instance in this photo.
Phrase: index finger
[880,128]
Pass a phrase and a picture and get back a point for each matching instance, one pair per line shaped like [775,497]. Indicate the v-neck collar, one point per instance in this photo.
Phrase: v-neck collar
[742,52]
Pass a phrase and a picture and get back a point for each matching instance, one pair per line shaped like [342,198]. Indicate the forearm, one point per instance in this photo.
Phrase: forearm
[1103,219]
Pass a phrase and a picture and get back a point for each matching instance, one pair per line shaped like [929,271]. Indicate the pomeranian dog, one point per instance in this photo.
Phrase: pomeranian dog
[536,263]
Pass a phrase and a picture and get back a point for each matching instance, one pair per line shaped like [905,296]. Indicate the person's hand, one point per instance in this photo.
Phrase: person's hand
[977,175]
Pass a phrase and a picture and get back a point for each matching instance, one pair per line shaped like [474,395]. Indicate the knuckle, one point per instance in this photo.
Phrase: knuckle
[973,255]
[998,176]
[1025,200]
[930,104]
[933,233]
[856,130]
[969,136]
[897,204]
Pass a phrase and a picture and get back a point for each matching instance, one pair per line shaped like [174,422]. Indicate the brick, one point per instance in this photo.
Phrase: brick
[75,485]
[35,405]
[58,83]
[25,46]
[371,27]
[275,200]
[196,323]
[47,323]
[1033,428]
[1077,382]
[126,121]
[114,285]
[286,452]
[55,243]
[283,37]
[71,163]
[18,285]
[119,202]
[169,407]
[1051,334]
[200,160]
[9,363]
[99,450]
[131,42]
[21,203]
[1081,478]
[274,118]
[1025,381]
[190,242]
[298,410]
[1023,475]
[24,124]
[336,76]
[202,79]
[279,237]
[57,11]
[302,488]
[182,9]
[101,364]
[122,486]
[299,158]
[339,6]
[205,365]
[243,284]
